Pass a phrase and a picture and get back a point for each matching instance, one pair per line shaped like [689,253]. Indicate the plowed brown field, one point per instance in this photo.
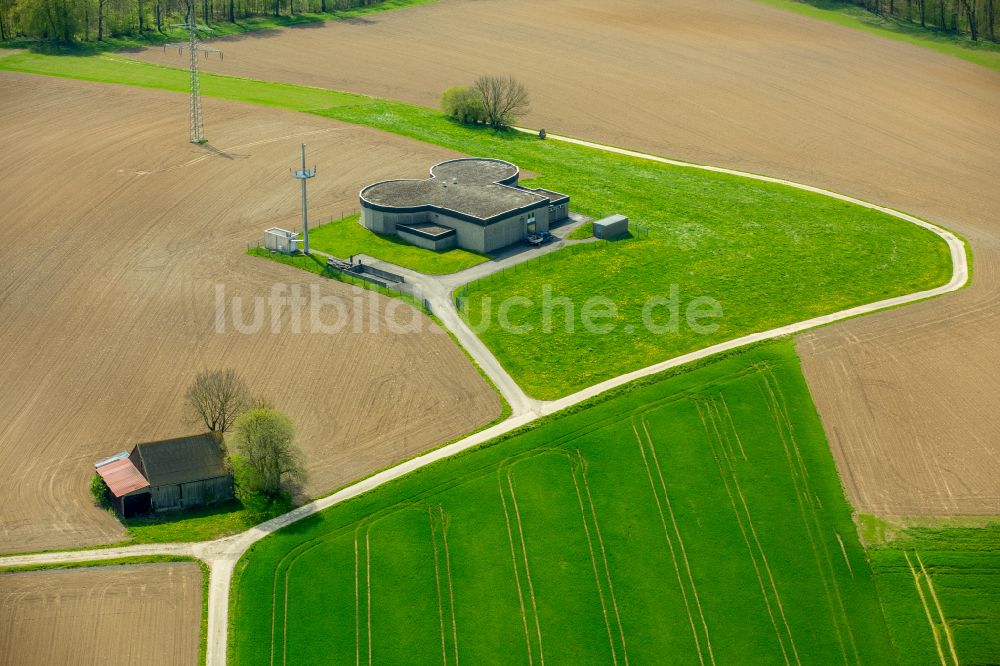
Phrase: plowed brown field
[118,231]
[142,614]
[910,398]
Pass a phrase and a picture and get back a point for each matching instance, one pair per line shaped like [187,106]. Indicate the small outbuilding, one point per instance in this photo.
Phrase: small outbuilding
[611,226]
[277,239]
[168,475]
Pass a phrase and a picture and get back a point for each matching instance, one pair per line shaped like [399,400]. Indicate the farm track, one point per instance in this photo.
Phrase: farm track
[109,297]
[909,398]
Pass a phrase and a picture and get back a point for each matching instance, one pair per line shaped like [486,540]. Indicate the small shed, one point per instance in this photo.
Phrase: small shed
[168,475]
[280,240]
[611,226]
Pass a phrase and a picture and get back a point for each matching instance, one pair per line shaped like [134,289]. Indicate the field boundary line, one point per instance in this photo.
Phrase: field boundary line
[732,424]
[368,585]
[937,604]
[357,603]
[437,585]
[593,563]
[803,498]
[783,406]
[513,556]
[760,546]
[680,539]
[843,550]
[778,407]
[746,540]
[604,554]
[451,587]
[670,545]
[527,569]
[927,609]
[284,621]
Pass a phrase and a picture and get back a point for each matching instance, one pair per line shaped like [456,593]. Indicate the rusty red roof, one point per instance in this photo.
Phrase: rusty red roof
[121,476]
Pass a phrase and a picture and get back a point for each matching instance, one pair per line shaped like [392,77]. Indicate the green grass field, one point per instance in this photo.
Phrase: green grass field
[699,517]
[981,52]
[347,237]
[940,589]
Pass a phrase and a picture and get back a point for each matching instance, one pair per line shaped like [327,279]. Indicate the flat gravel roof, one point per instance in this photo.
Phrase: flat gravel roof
[480,188]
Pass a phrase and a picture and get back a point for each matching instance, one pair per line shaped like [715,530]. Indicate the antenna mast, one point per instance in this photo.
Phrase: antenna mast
[197,128]
[303,175]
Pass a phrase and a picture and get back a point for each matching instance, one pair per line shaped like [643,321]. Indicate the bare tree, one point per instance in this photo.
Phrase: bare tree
[267,461]
[504,99]
[216,398]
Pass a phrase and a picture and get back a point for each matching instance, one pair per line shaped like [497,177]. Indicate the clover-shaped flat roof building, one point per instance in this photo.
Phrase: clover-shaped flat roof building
[473,203]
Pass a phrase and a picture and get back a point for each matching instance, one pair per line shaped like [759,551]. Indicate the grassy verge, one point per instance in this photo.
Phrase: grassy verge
[982,52]
[219,28]
[347,237]
[940,590]
[580,494]
[118,561]
[204,524]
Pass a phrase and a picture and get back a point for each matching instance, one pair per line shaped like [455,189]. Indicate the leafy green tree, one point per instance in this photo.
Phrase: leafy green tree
[56,20]
[100,491]
[266,460]
[463,104]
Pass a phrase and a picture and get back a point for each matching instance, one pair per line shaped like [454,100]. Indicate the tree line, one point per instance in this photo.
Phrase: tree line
[975,18]
[98,20]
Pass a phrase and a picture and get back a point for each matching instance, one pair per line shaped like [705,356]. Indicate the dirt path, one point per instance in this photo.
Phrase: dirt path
[908,398]
[144,614]
[119,233]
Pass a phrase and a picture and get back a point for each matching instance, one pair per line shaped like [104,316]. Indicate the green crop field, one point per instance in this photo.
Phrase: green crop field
[699,516]
[941,592]
[347,237]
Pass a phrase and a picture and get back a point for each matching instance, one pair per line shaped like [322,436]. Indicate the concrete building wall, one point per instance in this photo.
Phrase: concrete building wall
[470,236]
[428,243]
[557,213]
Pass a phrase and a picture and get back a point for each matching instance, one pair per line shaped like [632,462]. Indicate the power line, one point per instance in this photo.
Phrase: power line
[197,127]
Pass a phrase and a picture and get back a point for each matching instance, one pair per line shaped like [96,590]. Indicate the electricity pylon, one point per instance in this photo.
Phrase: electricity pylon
[197,128]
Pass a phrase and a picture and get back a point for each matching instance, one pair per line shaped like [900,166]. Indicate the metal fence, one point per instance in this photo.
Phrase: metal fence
[343,214]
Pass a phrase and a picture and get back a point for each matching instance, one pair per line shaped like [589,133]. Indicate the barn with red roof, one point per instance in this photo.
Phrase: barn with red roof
[167,475]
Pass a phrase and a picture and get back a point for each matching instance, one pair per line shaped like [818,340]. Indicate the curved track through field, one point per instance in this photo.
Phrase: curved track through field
[910,399]
[221,555]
